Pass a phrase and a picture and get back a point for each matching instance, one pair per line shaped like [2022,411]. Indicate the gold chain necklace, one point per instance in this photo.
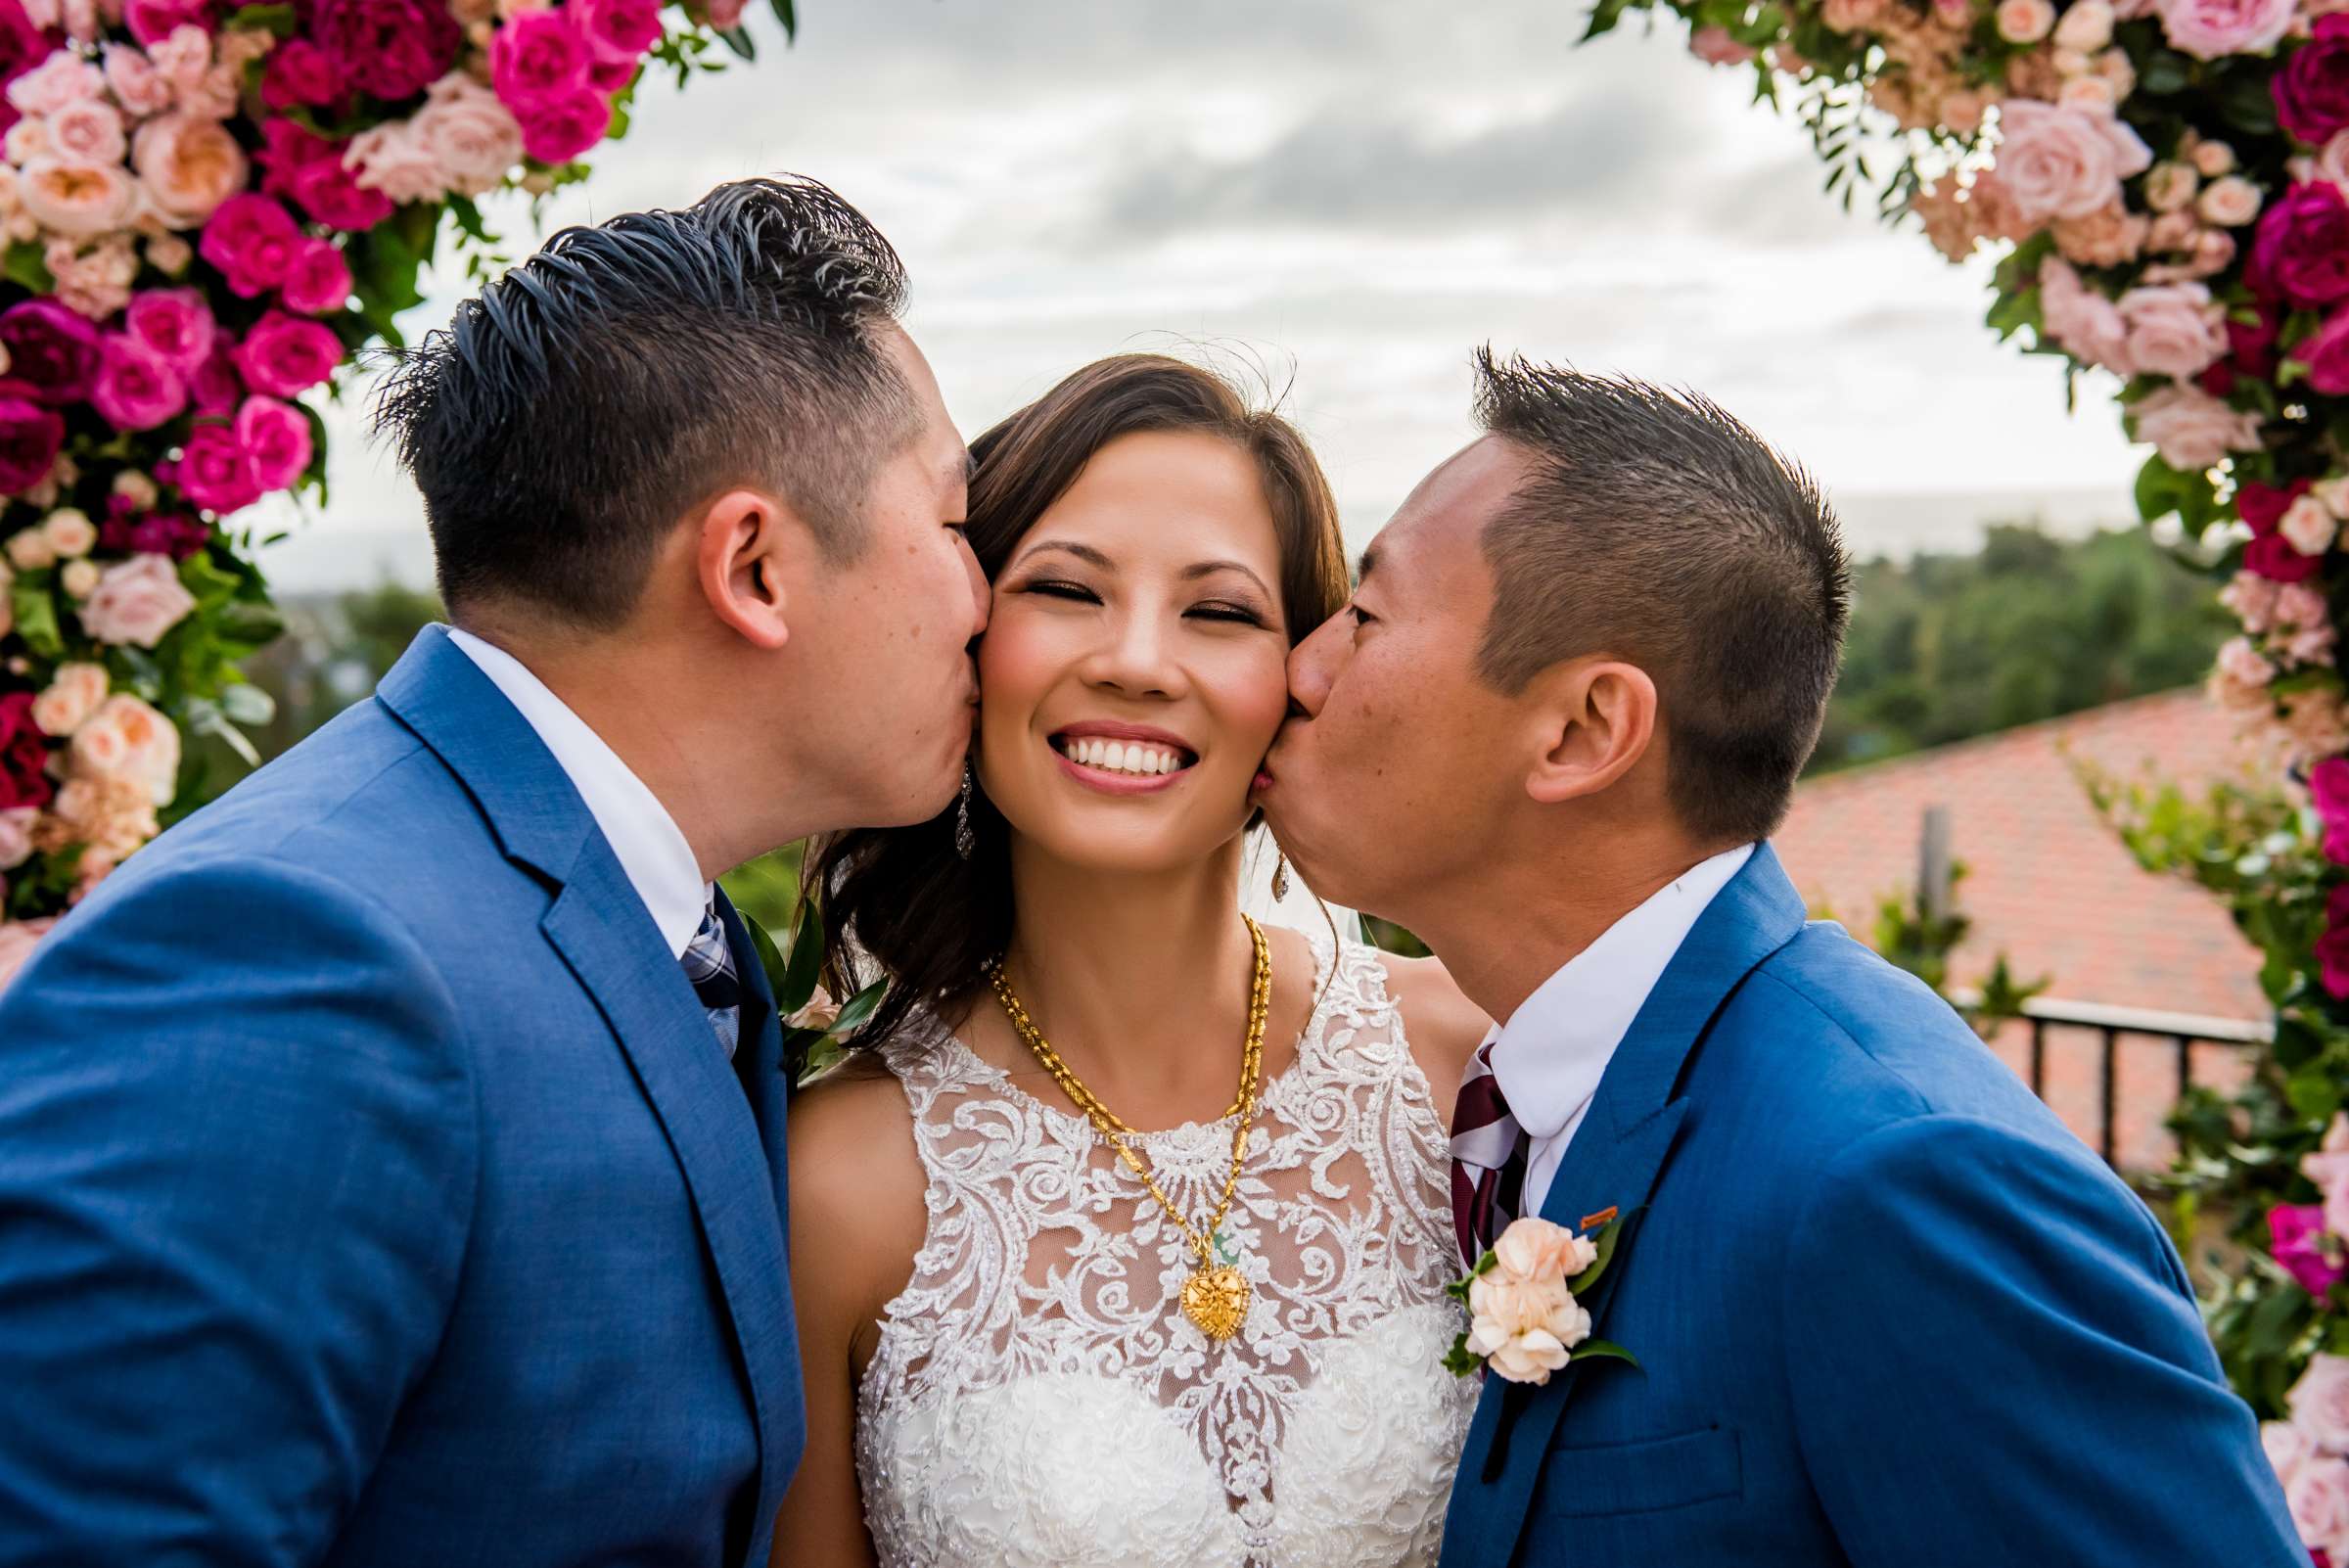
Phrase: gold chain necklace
[1216,1296]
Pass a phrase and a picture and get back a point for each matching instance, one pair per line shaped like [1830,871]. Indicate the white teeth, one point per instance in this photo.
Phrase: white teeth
[1121,756]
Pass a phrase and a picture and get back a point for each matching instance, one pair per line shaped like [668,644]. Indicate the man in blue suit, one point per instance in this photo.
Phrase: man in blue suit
[1887,1311]
[391,1156]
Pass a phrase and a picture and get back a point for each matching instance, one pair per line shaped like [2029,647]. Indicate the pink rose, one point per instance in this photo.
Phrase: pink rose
[2173,329]
[2024,22]
[176,323]
[152,22]
[2311,90]
[137,388]
[286,355]
[2308,526]
[389,158]
[15,836]
[2320,1401]
[18,938]
[29,438]
[2081,321]
[73,695]
[88,132]
[1715,47]
[2298,1234]
[2064,162]
[65,77]
[556,130]
[725,16]
[618,31]
[2171,186]
[136,602]
[76,199]
[301,74]
[252,242]
[2254,599]
[538,56]
[308,169]
[2230,203]
[214,472]
[2209,29]
[134,81]
[1533,1248]
[189,166]
[2242,664]
[318,283]
[2287,1447]
[471,134]
[2329,1167]
[276,438]
[128,740]
[2191,429]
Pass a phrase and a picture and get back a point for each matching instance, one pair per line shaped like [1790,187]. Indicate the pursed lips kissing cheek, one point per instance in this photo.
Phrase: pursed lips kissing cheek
[1122,758]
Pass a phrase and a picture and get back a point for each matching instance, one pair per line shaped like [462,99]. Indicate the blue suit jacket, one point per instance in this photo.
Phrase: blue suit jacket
[1888,1311]
[374,1191]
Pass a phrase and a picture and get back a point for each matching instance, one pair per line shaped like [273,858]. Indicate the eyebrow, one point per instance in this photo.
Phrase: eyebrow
[1368,563]
[959,469]
[1092,557]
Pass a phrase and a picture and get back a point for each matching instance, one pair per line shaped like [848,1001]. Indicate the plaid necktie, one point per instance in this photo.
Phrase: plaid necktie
[709,964]
[1489,1153]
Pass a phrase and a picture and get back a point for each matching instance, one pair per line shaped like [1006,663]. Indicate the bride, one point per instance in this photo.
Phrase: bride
[1123,1238]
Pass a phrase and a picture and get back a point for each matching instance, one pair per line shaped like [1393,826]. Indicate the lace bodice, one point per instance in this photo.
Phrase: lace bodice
[1038,1399]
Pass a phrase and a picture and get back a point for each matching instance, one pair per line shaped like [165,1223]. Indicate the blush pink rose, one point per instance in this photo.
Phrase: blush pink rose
[189,166]
[2024,22]
[1715,47]
[2231,201]
[2242,664]
[2059,162]
[214,472]
[2173,329]
[2287,1448]
[1534,1248]
[88,132]
[2320,1402]
[136,602]
[318,283]
[79,200]
[556,130]
[276,438]
[15,836]
[725,14]
[2319,1498]
[2328,1167]
[253,240]
[2080,320]
[2190,428]
[18,938]
[176,323]
[134,81]
[137,388]
[538,56]
[2208,30]
[72,696]
[471,136]
[286,355]
[65,77]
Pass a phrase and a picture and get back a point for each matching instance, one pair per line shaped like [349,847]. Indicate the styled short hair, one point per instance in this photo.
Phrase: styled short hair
[905,902]
[575,411]
[1657,529]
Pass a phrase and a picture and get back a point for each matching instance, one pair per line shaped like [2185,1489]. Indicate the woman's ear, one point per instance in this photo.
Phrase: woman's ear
[1597,718]
[741,559]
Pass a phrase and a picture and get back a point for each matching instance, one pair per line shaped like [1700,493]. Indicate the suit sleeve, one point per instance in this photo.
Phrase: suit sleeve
[1994,1358]
[237,1158]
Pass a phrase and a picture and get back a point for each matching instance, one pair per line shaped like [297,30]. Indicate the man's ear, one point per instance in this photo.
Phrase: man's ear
[743,557]
[1596,717]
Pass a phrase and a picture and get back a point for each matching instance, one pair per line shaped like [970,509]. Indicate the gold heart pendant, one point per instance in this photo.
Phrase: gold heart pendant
[1216,1299]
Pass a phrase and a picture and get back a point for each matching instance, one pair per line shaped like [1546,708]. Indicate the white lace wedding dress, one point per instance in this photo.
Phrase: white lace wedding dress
[1037,1397]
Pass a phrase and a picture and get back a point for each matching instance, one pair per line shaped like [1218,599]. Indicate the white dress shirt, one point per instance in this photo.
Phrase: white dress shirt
[651,848]
[1555,1047]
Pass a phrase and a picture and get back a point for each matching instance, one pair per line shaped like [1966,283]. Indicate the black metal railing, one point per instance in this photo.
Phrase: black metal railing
[2179,1033]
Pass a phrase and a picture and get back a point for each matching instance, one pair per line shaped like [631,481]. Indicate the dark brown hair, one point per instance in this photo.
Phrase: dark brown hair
[1659,530]
[901,898]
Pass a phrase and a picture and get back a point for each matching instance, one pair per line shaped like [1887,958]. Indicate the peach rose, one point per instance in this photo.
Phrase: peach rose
[2231,201]
[1850,16]
[18,938]
[79,578]
[2105,239]
[111,815]
[2213,158]
[73,694]
[1534,1248]
[26,140]
[2173,329]
[2087,26]
[2091,93]
[134,81]
[821,1012]
[2191,429]
[71,532]
[1524,1329]
[88,132]
[2307,525]
[2024,22]
[2171,186]
[2243,664]
[129,740]
[2064,161]
[188,166]
[137,601]
[29,550]
[81,201]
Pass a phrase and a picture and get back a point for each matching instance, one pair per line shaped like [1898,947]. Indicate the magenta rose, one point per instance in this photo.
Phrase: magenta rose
[2328,788]
[2263,506]
[2325,353]
[286,355]
[150,21]
[2302,253]
[392,49]
[618,31]
[308,169]
[559,129]
[52,351]
[611,76]
[276,438]
[215,388]
[29,438]
[300,75]
[24,755]
[137,388]
[128,531]
[176,323]
[538,57]
[214,471]
[253,240]
[2298,1229]
[22,46]
[2332,947]
[2311,90]
[319,282]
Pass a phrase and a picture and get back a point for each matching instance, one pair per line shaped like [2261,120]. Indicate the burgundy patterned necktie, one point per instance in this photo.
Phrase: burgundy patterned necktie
[1489,1153]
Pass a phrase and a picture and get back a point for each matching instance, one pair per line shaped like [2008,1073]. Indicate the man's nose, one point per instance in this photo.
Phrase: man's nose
[1310,670]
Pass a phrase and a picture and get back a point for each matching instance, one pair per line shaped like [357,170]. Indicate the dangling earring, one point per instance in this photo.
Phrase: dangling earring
[964,838]
[1280,877]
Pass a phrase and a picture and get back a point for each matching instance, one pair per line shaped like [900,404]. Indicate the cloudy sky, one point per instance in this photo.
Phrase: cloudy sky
[1347,194]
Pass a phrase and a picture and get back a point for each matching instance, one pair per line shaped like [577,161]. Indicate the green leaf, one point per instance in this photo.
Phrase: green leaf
[276,18]
[739,40]
[1600,1350]
[26,266]
[1608,1235]
[36,616]
[805,966]
[1459,1360]
[769,959]
[786,14]
[2165,72]
[858,1009]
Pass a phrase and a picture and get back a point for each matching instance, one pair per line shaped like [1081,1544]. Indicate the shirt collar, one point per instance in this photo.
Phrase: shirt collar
[646,840]
[1553,1050]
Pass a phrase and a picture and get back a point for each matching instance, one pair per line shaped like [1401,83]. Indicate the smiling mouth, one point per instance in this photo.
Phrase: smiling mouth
[1124,759]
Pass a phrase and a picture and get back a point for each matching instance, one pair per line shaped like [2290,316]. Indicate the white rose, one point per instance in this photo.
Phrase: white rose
[2308,526]
[2231,201]
[136,601]
[81,577]
[2085,27]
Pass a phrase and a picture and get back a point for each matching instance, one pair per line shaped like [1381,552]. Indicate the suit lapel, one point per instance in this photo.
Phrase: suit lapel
[600,927]
[1613,1161]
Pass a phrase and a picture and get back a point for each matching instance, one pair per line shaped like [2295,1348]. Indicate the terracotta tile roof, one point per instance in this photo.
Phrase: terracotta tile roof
[2050,885]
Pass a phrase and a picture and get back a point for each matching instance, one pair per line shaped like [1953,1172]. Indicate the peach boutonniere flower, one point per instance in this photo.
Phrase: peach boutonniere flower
[1524,1318]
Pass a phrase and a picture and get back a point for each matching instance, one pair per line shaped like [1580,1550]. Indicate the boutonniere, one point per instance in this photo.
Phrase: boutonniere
[1524,1317]
[813,1024]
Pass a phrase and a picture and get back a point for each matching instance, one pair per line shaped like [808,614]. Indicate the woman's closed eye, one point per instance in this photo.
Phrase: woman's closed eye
[1228,611]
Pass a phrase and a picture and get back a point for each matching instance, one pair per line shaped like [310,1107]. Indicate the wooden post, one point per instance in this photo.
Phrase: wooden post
[1934,893]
